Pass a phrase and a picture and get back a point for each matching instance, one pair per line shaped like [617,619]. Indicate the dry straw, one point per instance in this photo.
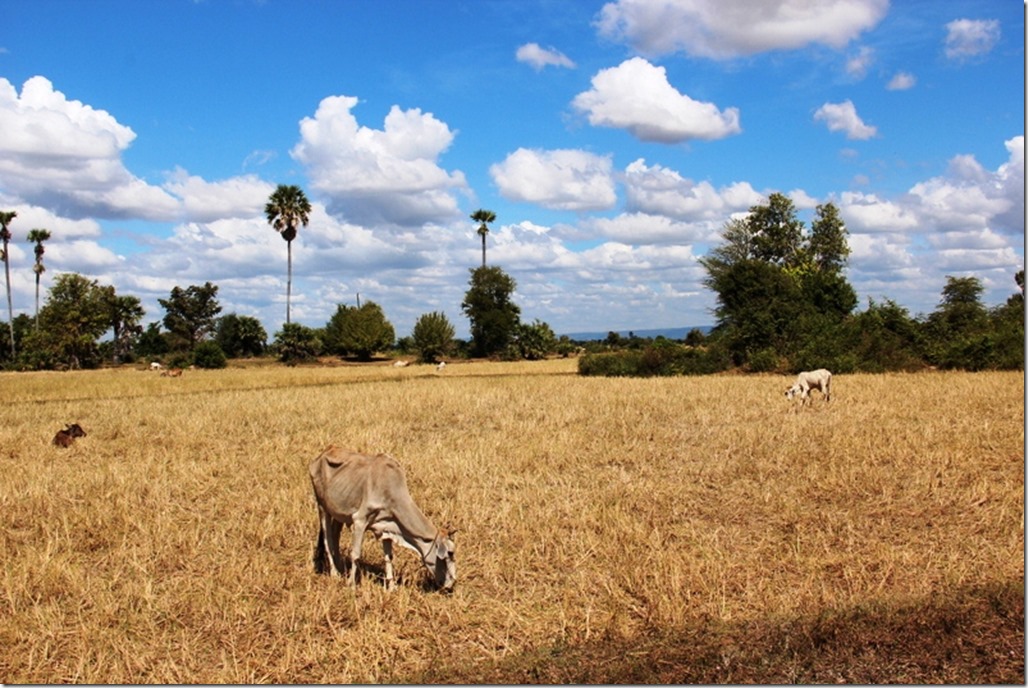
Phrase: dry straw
[674,530]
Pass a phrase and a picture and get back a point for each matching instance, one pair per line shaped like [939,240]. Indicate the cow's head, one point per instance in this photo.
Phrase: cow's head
[792,391]
[75,430]
[441,560]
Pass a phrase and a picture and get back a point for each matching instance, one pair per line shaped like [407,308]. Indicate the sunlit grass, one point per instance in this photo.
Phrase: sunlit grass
[174,542]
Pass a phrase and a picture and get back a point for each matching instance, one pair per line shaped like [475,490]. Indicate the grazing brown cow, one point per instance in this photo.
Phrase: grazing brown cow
[64,438]
[173,372]
[370,493]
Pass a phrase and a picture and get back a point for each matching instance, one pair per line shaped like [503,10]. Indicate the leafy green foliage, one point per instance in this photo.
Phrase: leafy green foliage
[76,314]
[432,337]
[191,315]
[655,360]
[240,336]
[296,343]
[360,331]
[776,286]
[209,355]
[493,314]
[152,343]
[532,342]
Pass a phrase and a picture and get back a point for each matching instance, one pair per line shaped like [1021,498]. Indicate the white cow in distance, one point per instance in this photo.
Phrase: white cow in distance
[819,379]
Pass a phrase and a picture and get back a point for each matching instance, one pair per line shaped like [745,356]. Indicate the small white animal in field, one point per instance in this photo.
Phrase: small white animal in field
[439,368]
[155,366]
[400,364]
[819,379]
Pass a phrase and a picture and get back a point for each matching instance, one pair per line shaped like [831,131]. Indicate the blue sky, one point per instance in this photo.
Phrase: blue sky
[613,140]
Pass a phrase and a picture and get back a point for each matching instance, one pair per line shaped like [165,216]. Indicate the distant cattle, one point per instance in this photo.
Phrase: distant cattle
[400,364]
[172,372]
[370,493]
[65,438]
[806,381]
[155,366]
[439,368]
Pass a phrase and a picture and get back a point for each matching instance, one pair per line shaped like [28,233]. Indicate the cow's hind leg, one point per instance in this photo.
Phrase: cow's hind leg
[387,551]
[328,537]
[321,563]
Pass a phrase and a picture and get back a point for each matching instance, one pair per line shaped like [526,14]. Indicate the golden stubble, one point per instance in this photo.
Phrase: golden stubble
[173,543]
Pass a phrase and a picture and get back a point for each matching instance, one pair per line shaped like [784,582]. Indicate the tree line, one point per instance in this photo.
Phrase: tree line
[783,305]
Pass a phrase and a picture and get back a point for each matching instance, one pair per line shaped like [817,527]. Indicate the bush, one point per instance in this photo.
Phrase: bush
[663,359]
[296,343]
[432,337]
[209,355]
[763,361]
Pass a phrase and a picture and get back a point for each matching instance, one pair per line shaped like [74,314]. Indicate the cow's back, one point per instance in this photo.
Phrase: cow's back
[346,481]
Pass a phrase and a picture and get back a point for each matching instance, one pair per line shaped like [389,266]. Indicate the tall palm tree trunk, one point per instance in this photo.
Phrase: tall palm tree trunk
[10,303]
[289,277]
[37,301]
[483,249]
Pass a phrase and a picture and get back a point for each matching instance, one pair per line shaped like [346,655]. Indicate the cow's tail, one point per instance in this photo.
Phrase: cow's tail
[321,552]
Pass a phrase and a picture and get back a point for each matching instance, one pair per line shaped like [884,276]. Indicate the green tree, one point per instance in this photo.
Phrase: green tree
[778,289]
[489,307]
[776,233]
[76,314]
[240,335]
[483,218]
[533,342]
[5,236]
[191,315]
[152,342]
[38,236]
[126,314]
[433,337]
[957,330]
[296,343]
[1008,328]
[360,331]
[828,245]
[288,208]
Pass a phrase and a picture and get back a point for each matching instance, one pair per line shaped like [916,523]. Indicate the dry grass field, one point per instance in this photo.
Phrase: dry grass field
[611,530]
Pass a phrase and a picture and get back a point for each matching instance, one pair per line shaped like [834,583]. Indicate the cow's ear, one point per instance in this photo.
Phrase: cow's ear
[440,550]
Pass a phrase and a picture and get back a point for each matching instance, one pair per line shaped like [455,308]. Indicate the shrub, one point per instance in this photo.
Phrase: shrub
[296,343]
[432,337]
[763,361]
[209,355]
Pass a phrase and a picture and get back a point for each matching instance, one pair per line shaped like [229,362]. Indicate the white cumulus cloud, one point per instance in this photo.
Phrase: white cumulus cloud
[66,155]
[722,30]
[387,175]
[843,117]
[658,190]
[637,96]
[557,179]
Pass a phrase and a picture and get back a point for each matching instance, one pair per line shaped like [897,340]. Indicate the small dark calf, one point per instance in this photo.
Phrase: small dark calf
[65,437]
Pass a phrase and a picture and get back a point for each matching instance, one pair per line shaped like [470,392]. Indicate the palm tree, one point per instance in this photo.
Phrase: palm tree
[39,236]
[5,236]
[287,208]
[483,218]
